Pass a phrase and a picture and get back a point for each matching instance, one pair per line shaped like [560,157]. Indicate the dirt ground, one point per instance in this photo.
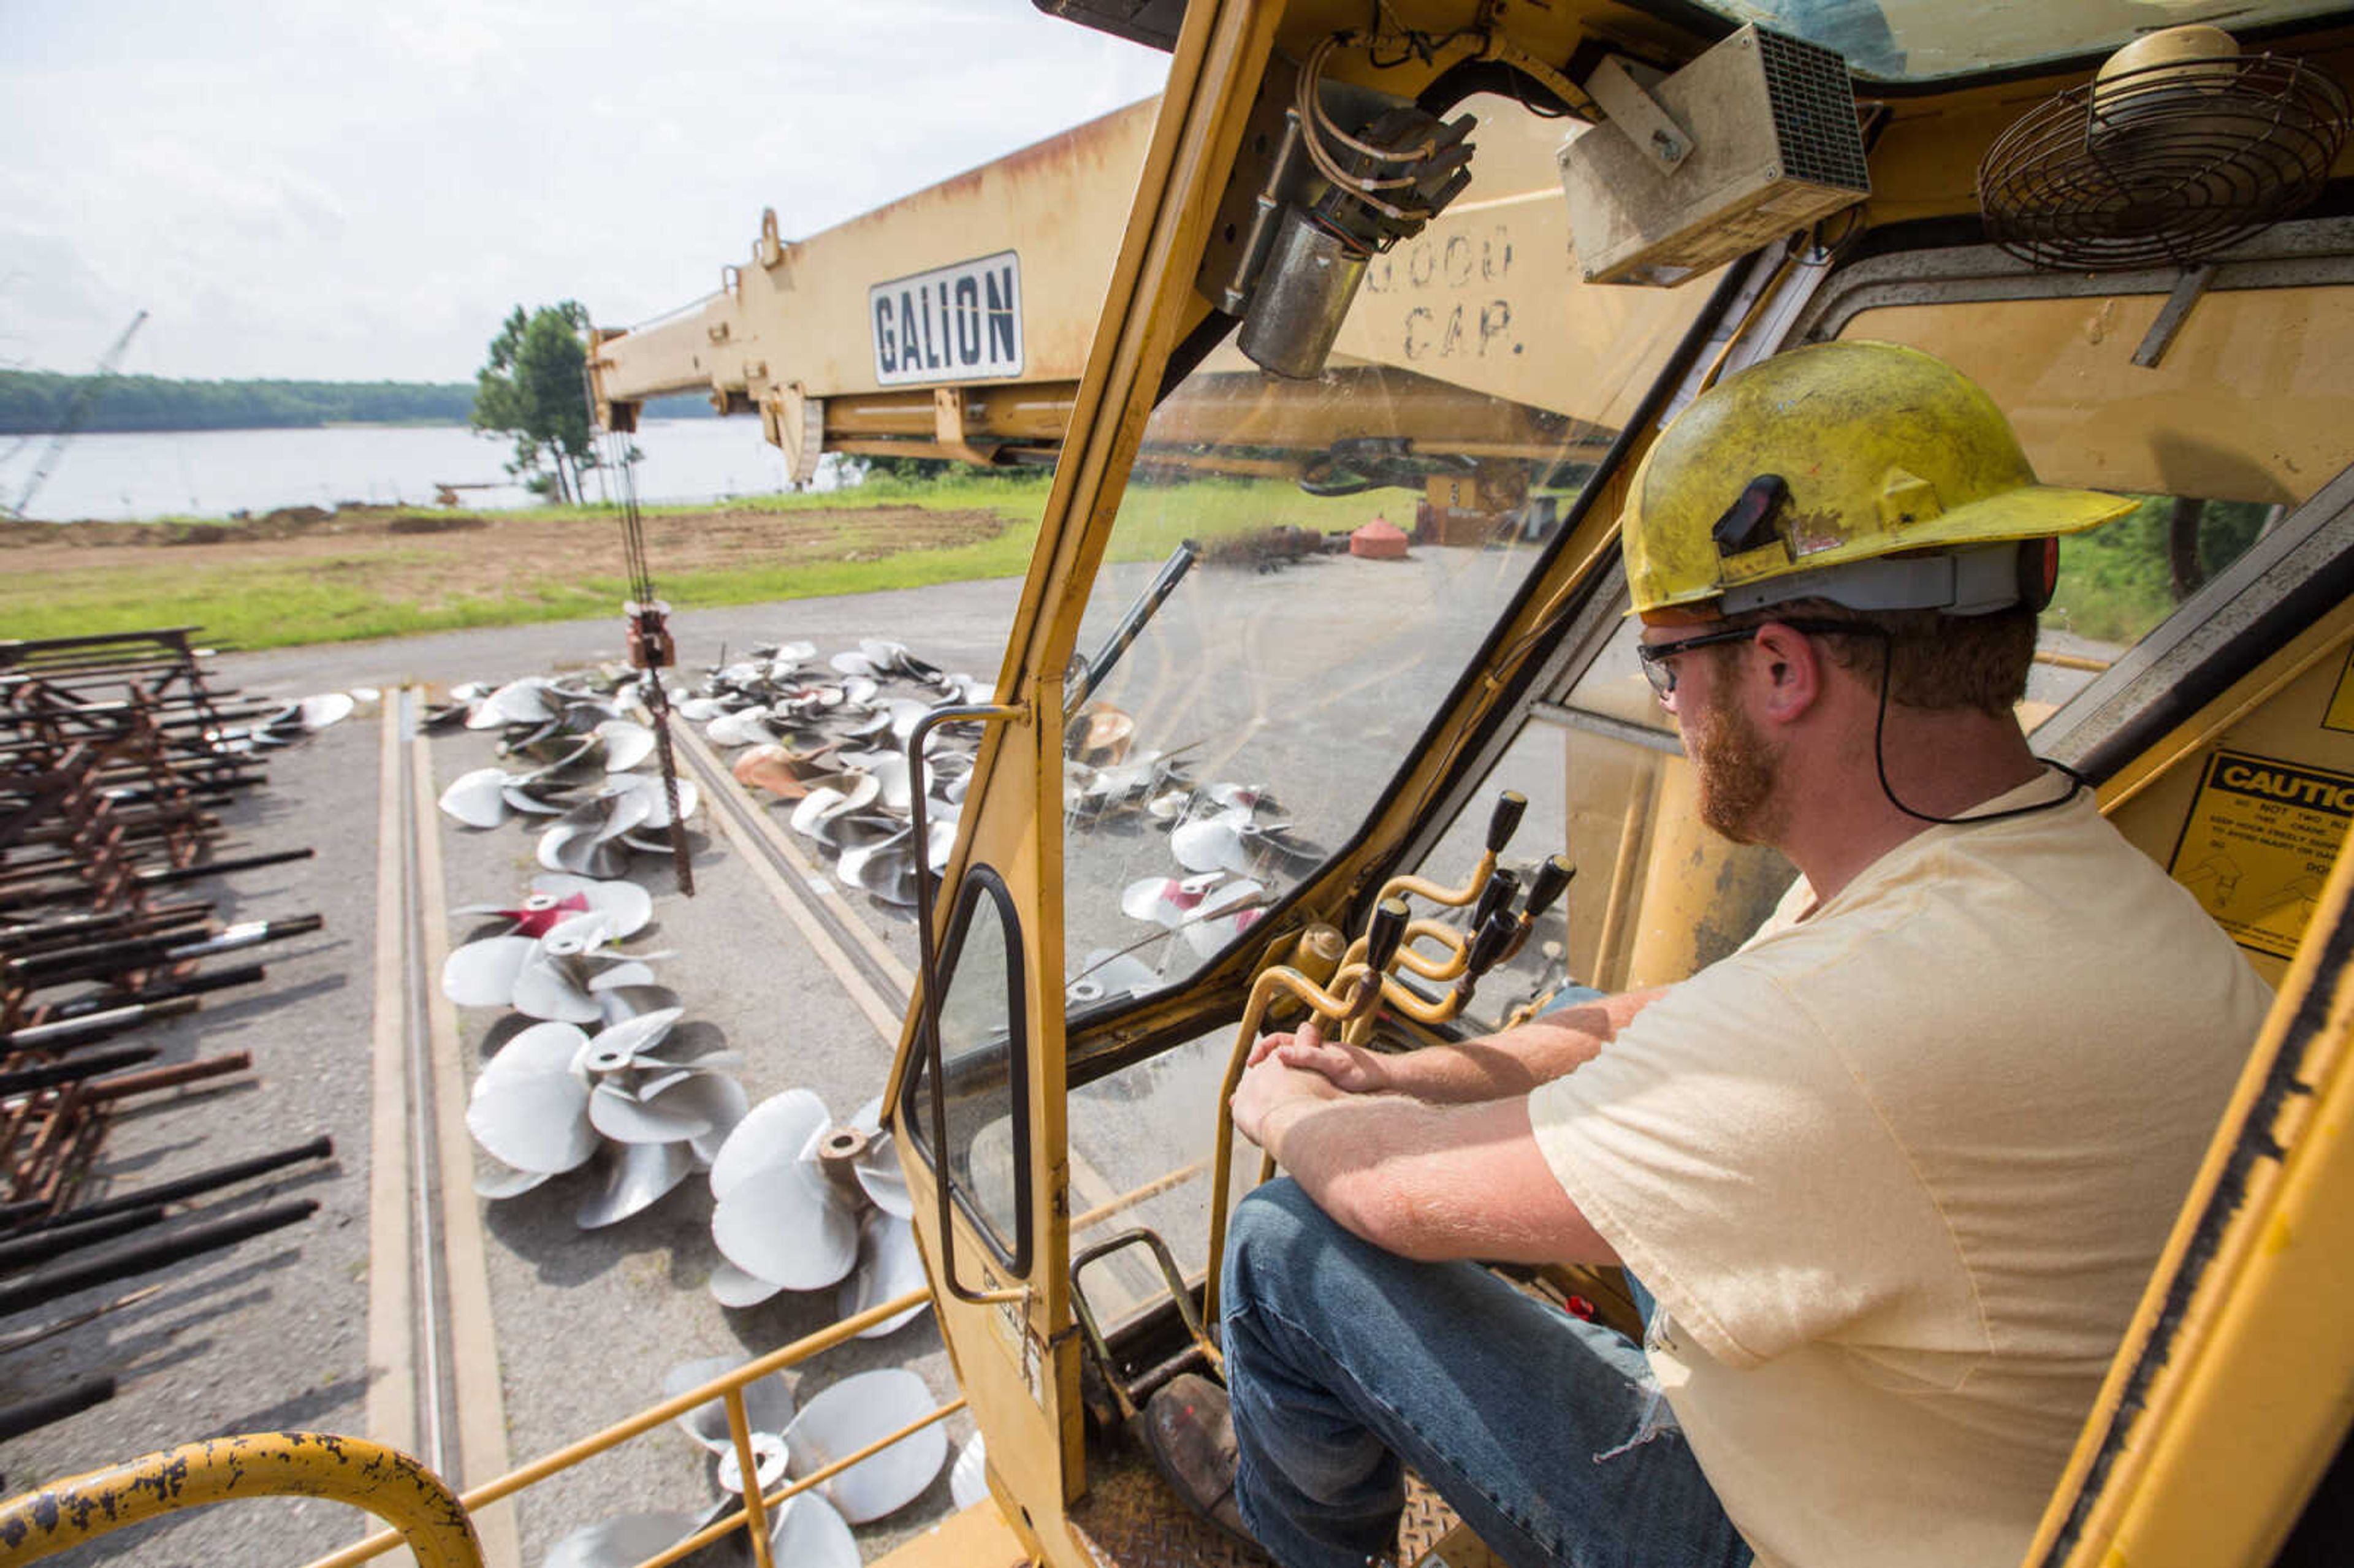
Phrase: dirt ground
[477,552]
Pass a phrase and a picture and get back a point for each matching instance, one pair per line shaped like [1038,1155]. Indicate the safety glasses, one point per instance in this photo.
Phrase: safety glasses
[1654,656]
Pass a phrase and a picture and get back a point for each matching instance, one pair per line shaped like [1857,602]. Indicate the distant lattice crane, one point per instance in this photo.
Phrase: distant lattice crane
[77,415]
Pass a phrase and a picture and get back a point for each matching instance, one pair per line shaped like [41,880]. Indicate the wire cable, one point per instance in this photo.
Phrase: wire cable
[620,454]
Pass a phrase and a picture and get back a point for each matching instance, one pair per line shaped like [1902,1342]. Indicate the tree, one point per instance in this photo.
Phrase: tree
[533,390]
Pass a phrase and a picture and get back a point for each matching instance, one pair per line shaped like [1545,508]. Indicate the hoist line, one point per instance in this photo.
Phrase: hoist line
[621,456]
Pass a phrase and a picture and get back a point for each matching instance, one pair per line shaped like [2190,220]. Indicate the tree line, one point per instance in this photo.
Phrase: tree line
[34,402]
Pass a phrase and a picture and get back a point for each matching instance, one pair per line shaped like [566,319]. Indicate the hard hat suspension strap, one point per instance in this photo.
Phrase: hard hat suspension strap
[1977,580]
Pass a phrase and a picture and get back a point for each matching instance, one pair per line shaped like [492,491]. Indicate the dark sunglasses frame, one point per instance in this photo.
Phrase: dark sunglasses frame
[1654,656]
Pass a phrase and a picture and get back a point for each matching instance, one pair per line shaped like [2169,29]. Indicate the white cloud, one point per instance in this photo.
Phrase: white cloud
[359,192]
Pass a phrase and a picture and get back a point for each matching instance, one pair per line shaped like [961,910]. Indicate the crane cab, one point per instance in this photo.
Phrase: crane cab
[1330,568]
[1233,715]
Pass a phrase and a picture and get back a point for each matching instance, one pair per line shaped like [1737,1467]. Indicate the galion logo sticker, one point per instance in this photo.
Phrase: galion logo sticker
[957,323]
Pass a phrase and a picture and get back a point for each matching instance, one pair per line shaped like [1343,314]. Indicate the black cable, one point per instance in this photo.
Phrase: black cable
[2077,782]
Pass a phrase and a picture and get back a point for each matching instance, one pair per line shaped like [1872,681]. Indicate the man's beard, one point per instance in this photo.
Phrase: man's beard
[1738,774]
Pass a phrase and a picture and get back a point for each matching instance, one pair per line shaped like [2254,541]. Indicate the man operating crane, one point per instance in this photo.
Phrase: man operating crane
[1890,1178]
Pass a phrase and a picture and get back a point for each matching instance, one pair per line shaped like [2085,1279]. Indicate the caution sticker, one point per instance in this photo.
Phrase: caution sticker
[2259,844]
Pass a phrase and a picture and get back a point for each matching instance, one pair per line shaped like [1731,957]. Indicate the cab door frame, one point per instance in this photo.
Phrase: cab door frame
[1009,1331]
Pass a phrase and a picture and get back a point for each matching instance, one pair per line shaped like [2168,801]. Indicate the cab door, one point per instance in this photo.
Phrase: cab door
[977,1087]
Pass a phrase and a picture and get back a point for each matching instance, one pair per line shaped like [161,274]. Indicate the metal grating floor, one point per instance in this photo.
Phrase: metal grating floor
[1129,1518]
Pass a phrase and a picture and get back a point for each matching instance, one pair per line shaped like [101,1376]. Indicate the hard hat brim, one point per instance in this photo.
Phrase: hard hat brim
[2030,512]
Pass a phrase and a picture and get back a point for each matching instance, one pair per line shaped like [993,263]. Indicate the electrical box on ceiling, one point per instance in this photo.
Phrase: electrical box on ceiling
[1771,146]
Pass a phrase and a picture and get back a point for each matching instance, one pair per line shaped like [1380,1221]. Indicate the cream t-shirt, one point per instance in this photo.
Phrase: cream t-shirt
[1898,1171]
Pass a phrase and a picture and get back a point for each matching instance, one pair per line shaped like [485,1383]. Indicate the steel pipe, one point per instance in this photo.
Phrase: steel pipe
[25,1080]
[23,1251]
[145,1257]
[153,995]
[15,1420]
[65,1034]
[319,1148]
[171,1077]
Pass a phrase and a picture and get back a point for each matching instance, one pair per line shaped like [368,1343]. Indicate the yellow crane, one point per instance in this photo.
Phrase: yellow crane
[1658,195]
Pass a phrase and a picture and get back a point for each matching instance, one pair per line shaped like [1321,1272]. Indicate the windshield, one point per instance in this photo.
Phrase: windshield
[2220,439]
[1922,40]
[1344,543]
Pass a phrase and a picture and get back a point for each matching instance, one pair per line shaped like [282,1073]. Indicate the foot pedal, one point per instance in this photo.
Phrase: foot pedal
[1129,1395]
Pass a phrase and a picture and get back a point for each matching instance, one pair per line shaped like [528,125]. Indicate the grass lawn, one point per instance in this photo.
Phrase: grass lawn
[397,573]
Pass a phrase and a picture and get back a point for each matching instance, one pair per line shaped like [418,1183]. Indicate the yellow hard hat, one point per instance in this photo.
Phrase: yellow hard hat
[1868,473]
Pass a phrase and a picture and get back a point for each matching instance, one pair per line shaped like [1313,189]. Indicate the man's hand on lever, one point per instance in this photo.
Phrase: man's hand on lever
[1428,1182]
[1493,1066]
[1273,1095]
[1351,1069]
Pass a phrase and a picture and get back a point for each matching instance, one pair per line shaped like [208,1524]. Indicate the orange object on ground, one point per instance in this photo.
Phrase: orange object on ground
[1379,540]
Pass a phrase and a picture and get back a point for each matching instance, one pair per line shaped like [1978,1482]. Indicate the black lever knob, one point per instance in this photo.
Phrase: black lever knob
[1495,935]
[1504,886]
[1507,819]
[1386,931]
[1551,878]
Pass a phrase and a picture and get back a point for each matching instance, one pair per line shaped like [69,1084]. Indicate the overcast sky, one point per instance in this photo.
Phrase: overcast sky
[357,191]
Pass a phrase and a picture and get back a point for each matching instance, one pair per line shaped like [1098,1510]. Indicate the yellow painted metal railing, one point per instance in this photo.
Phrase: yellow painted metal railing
[423,1510]
[435,1524]
[729,1388]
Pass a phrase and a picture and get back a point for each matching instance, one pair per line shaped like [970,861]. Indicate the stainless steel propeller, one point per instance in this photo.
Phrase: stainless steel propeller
[621,1543]
[587,840]
[768,1402]
[527,700]
[863,1409]
[1107,976]
[556,1098]
[795,1194]
[633,1178]
[556,897]
[810,1533]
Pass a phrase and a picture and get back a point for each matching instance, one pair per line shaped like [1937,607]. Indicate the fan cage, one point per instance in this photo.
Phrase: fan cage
[2167,165]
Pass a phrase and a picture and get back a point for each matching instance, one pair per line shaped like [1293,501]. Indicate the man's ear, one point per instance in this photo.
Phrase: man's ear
[1791,673]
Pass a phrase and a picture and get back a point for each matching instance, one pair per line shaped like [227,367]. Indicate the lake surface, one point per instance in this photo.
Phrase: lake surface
[212,473]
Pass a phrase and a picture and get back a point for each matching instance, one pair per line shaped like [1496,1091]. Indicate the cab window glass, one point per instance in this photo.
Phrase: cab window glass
[1354,538]
[981,1014]
[1655,896]
[2240,421]
[1142,1140]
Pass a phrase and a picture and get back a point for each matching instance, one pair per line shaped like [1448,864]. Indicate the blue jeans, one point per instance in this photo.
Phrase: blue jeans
[1547,1434]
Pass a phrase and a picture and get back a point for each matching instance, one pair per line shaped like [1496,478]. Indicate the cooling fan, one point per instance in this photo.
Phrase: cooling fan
[2179,148]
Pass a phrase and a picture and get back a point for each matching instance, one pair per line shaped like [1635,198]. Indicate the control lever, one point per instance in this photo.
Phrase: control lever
[1552,880]
[1506,821]
[1504,886]
[1384,934]
[1501,824]
[1488,946]
[1493,938]
[1385,937]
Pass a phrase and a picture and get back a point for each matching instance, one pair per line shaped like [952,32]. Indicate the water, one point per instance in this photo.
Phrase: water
[212,473]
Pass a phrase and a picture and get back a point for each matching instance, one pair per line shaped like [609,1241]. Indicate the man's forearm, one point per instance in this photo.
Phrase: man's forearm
[1337,1149]
[1513,1061]
[1431,1181]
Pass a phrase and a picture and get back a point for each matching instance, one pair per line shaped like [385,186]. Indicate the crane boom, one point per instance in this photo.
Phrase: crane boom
[953,324]
[77,415]
[988,282]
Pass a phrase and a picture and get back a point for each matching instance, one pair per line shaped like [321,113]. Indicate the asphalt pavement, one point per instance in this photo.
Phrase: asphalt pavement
[273,1333]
